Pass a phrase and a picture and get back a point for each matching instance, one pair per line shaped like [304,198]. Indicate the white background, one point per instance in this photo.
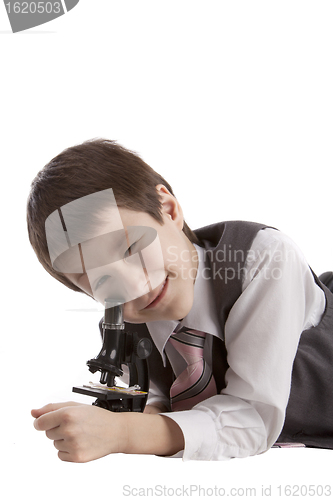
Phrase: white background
[232,103]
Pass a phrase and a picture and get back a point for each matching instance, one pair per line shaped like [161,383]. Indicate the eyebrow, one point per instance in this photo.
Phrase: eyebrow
[127,240]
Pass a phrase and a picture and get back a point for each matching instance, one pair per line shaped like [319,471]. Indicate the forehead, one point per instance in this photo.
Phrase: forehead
[81,220]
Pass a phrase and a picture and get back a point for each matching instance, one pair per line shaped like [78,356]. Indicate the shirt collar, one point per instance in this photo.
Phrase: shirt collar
[202,316]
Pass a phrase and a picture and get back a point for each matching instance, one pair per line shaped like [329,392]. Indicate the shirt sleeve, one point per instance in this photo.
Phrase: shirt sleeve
[280,299]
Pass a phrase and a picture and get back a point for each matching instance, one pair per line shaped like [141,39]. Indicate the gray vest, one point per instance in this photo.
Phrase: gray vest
[310,408]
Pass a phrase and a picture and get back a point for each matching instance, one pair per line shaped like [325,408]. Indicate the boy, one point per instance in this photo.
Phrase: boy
[256,323]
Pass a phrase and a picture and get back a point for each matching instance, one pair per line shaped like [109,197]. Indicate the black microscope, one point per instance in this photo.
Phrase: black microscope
[119,348]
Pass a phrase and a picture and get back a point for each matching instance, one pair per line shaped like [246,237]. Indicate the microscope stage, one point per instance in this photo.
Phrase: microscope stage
[109,393]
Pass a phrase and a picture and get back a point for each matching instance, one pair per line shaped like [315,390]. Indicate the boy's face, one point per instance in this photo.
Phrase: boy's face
[159,286]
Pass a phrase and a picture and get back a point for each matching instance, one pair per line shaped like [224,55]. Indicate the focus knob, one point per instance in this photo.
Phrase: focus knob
[143,348]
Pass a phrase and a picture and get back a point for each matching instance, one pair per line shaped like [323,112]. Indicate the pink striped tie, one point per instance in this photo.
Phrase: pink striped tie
[196,383]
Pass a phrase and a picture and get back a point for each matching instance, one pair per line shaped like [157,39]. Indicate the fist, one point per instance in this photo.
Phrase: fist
[81,433]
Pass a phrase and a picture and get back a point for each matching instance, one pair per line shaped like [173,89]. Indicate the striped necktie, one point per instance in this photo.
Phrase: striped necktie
[196,383]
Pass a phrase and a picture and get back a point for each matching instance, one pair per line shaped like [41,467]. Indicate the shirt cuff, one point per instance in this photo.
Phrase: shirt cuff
[199,434]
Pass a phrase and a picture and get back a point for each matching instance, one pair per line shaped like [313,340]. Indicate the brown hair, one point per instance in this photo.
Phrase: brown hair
[88,168]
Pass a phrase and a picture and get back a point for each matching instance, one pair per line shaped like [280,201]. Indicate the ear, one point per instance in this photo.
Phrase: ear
[170,206]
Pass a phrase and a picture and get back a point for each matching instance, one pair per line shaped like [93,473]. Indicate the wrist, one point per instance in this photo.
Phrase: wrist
[151,434]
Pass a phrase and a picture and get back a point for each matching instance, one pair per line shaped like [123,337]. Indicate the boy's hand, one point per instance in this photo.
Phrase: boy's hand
[85,432]
[81,432]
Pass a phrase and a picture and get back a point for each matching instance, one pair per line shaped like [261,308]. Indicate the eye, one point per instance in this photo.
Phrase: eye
[101,281]
[130,250]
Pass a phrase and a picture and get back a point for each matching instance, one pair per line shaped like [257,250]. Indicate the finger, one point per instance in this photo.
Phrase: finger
[60,445]
[49,420]
[54,434]
[51,407]
[65,457]
[54,418]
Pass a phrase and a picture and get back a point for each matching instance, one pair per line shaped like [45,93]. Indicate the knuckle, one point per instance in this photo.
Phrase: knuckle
[69,432]
[76,451]
[67,416]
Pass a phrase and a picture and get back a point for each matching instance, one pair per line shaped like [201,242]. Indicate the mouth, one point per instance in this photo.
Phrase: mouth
[159,295]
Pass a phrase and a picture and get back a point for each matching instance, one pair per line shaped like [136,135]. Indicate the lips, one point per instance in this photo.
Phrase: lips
[159,295]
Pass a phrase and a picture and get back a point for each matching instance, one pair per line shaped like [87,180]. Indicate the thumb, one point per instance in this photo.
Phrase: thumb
[52,407]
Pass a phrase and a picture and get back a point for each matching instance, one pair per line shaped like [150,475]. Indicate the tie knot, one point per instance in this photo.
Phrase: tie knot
[189,336]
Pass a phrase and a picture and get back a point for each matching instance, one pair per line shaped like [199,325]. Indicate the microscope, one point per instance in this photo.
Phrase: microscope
[119,348]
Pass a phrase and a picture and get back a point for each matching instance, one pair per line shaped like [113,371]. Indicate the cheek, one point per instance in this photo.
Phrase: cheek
[179,262]
[130,313]
[80,281]
[154,263]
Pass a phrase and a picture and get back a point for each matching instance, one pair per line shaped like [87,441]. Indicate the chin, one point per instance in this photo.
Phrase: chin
[182,311]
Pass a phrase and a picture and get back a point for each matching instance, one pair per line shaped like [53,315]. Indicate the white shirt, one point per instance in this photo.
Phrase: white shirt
[279,300]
